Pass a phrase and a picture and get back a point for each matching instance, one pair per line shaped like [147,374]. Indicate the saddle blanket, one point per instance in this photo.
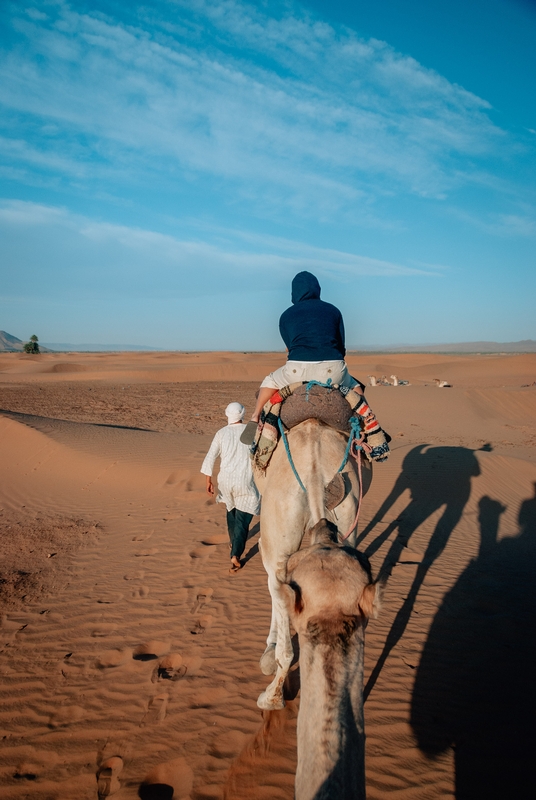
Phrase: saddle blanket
[332,405]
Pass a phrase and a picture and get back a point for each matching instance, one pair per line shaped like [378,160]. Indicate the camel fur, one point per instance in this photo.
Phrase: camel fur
[330,596]
[287,512]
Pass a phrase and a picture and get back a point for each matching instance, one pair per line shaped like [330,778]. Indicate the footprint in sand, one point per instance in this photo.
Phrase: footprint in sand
[142,537]
[148,651]
[171,668]
[157,710]
[172,779]
[202,624]
[198,552]
[11,626]
[134,576]
[141,592]
[203,598]
[104,629]
[176,598]
[193,665]
[66,716]
[228,744]
[230,611]
[113,658]
[216,538]
[113,597]
[107,776]
[151,552]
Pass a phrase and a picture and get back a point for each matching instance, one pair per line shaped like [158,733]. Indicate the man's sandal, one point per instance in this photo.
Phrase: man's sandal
[248,434]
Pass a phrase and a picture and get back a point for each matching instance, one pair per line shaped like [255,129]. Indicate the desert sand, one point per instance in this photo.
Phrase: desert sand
[123,634]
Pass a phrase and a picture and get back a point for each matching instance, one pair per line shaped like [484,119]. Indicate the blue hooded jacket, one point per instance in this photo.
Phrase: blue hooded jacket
[311,329]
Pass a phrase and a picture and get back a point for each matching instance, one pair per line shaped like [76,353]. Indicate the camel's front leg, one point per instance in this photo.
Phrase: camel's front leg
[268,663]
[272,697]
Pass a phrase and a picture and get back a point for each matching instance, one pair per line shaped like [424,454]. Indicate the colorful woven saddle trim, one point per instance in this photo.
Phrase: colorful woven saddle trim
[267,435]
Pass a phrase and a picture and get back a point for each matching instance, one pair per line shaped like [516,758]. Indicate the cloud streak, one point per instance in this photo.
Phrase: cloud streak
[79,255]
[323,121]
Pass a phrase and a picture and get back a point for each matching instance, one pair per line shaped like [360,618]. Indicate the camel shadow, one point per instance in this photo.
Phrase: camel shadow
[475,684]
[435,477]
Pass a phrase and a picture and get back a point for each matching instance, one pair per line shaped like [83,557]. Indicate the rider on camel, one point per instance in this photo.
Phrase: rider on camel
[313,332]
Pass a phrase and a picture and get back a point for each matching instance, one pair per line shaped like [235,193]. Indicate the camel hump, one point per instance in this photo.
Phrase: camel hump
[327,405]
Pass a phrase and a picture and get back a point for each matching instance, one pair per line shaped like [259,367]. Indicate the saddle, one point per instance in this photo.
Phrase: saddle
[312,402]
[334,406]
[316,402]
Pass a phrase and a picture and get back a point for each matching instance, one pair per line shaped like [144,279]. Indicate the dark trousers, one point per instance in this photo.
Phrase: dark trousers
[238,527]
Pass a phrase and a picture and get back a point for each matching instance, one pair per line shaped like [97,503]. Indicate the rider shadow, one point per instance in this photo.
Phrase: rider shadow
[440,476]
[475,684]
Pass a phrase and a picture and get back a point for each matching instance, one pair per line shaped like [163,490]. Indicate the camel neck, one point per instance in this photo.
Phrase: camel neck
[331,739]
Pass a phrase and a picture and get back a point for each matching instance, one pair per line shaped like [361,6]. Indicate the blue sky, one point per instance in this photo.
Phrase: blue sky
[166,168]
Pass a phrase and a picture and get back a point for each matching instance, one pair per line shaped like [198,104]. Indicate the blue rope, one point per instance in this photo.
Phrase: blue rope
[355,433]
[326,385]
[287,448]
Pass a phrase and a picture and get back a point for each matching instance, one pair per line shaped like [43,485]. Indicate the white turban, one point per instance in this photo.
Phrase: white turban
[235,412]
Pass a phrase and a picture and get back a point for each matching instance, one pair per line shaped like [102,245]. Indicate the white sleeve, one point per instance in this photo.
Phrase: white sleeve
[212,455]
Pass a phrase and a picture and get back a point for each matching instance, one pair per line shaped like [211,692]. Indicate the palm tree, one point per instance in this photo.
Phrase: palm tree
[32,346]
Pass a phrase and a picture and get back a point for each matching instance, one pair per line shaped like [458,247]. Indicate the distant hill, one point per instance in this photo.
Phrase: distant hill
[524,346]
[11,344]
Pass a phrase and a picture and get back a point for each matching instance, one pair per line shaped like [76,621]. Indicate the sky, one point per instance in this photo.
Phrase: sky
[166,168]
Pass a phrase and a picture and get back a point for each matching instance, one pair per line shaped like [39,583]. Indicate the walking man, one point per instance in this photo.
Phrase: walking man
[236,487]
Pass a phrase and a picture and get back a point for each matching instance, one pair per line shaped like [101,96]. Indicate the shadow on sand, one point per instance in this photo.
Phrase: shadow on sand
[435,477]
[156,791]
[38,422]
[475,687]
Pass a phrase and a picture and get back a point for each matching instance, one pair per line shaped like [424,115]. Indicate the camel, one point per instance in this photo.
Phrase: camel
[397,382]
[441,384]
[330,596]
[372,379]
[287,512]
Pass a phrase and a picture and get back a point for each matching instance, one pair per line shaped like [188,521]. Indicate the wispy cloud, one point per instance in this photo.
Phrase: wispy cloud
[515,225]
[318,121]
[80,255]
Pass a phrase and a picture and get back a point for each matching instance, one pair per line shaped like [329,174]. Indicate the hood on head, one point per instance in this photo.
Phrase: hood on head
[305,287]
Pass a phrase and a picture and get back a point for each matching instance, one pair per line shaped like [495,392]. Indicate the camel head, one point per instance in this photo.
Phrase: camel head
[329,589]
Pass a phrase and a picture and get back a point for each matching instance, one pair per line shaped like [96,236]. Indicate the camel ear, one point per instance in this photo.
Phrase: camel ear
[293,597]
[370,600]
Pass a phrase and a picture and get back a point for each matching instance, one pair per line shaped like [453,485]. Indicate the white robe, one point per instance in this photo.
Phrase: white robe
[236,486]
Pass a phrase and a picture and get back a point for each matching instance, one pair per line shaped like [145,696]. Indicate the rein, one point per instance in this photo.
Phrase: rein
[356,443]
[289,455]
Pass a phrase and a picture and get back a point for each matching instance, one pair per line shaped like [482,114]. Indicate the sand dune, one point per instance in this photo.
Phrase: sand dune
[419,368]
[132,639]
